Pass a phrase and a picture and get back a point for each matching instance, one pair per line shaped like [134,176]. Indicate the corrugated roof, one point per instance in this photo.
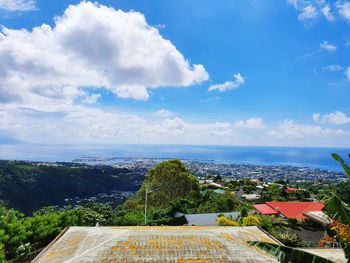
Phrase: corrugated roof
[318,216]
[157,244]
[264,209]
[208,219]
[295,209]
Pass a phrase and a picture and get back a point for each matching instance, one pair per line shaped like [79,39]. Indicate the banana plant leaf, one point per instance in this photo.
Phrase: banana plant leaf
[286,254]
[340,160]
[337,209]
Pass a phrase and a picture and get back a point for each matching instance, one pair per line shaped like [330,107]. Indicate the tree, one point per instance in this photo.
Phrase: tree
[168,181]
[15,230]
[251,220]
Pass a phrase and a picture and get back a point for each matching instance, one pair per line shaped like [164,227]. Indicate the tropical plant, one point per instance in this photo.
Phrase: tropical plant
[2,253]
[286,254]
[289,239]
[339,211]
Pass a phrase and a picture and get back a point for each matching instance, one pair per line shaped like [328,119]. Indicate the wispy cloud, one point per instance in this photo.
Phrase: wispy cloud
[334,67]
[308,12]
[236,83]
[326,11]
[163,113]
[347,73]
[328,46]
[313,9]
[18,5]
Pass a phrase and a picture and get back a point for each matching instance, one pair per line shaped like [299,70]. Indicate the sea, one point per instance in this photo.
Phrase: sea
[286,156]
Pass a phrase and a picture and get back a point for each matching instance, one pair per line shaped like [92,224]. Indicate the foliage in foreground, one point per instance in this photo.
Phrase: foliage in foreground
[339,211]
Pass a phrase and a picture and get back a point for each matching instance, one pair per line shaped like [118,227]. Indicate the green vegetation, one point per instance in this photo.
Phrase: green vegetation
[339,210]
[170,188]
[50,185]
[20,234]
[166,182]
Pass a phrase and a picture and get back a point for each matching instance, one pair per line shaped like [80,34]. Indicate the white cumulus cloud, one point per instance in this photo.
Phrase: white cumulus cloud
[344,9]
[236,83]
[17,5]
[115,50]
[290,129]
[252,123]
[336,117]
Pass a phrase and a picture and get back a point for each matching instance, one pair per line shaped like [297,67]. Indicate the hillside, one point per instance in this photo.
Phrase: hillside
[29,186]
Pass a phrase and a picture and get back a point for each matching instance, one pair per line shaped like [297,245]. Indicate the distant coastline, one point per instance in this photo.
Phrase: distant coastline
[286,156]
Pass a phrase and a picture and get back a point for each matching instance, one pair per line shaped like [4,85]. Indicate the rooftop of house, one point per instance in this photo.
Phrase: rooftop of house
[295,209]
[208,219]
[292,190]
[160,244]
[164,244]
[264,209]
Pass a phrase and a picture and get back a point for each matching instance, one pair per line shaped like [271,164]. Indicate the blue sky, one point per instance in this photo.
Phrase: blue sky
[236,73]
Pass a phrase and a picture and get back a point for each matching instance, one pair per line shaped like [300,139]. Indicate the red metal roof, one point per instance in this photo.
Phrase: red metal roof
[292,190]
[295,209]
[264,209]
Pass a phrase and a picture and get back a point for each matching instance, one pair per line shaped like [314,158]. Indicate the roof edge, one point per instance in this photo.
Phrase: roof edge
[50,244]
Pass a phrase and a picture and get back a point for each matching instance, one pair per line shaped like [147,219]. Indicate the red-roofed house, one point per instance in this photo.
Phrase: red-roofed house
[291,190]
[289,209]
[264,209]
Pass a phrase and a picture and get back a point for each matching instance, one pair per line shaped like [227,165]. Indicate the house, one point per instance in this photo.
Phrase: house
[164,244]
[208,219]
[266,210]
[318,217]
[250,197]
[290,190]
[289,209]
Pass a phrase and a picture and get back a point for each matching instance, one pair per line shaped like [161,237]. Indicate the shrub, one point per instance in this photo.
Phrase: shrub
[251,220]
[289,239]
[244,212]
[292,222]
[266,222]
[308,223]
[225,221]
